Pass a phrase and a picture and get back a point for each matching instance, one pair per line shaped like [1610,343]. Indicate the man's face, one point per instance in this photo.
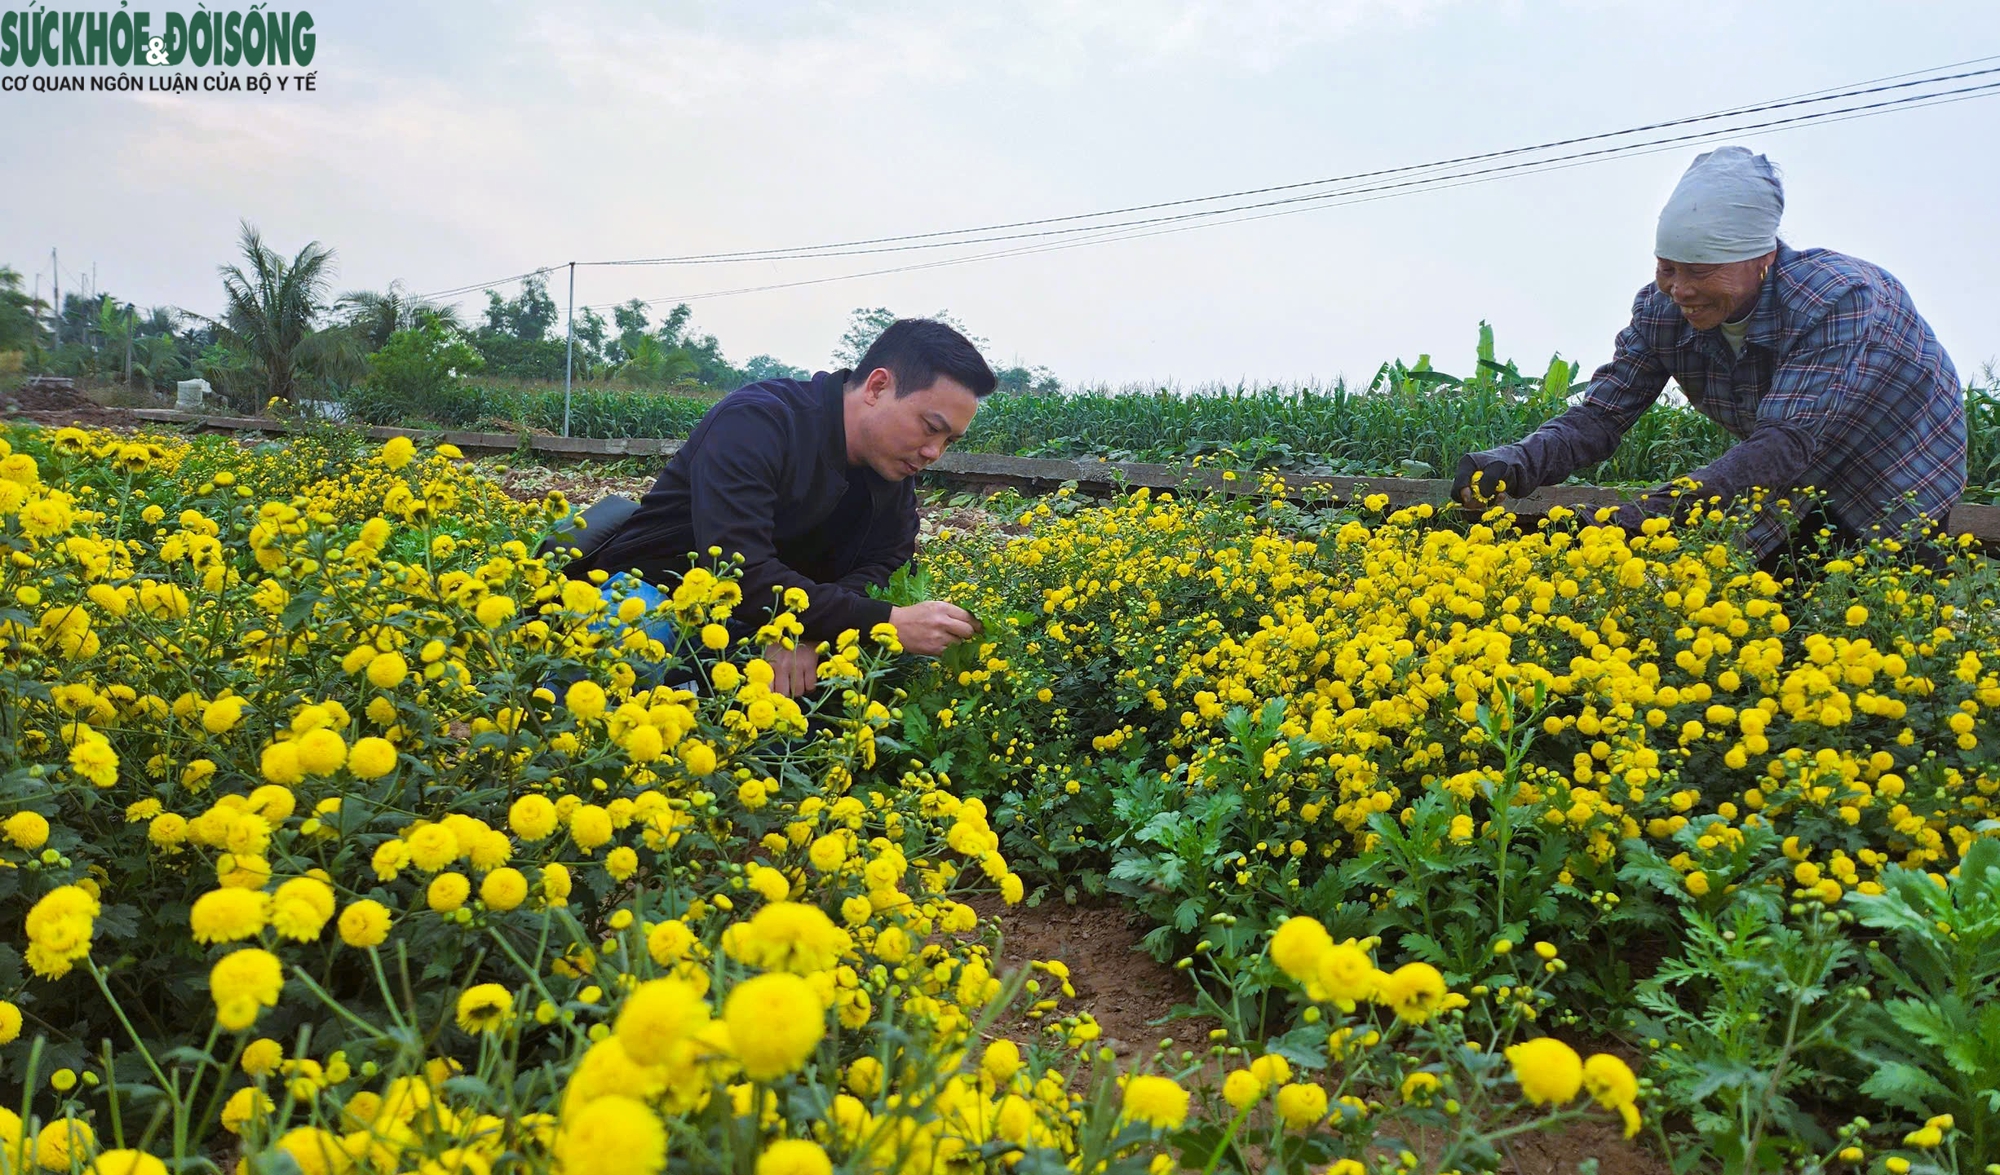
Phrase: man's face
[900,436]
[1710,295]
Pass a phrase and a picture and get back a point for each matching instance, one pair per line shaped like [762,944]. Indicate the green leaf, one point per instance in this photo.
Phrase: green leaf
[116,923]
[1926,1022]
[1425,948]
[1304,1046]
[1906,1087]
[1555,382]
[1714,1076]
[916,725]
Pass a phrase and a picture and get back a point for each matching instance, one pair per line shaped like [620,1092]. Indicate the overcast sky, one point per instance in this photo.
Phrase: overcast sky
[453,143]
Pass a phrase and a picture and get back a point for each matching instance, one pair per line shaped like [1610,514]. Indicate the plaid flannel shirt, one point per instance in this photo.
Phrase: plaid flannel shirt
[1841,386]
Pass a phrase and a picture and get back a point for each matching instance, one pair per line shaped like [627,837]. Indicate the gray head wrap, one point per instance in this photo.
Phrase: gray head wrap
[1725,208]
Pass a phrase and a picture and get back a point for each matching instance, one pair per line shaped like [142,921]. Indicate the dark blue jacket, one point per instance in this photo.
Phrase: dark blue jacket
[765,474]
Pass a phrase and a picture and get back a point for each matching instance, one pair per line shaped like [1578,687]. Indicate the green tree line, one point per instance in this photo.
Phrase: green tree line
[284,333]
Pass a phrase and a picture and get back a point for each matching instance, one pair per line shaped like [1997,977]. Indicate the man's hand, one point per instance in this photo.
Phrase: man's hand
[794,671]
[932,627]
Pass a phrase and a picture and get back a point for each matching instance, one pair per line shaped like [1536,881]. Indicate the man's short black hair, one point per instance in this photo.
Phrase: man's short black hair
[918,350]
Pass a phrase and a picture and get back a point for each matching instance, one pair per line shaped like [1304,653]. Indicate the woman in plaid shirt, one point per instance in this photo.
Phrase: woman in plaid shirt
[1816,361]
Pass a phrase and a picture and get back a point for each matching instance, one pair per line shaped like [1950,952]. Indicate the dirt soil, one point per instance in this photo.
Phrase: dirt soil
[1551,1154]
[56,408]
[1119,985]
[581,484]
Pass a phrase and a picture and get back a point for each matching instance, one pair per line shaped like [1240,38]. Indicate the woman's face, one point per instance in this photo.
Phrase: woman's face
[1710,295]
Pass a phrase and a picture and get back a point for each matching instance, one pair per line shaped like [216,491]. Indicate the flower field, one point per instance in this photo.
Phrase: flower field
[1747,825]
[339,832]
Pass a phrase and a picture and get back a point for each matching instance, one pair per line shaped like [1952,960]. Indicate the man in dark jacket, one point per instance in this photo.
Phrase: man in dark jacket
[813,483]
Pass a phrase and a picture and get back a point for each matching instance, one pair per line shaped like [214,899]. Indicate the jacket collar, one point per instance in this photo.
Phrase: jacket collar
[833,402]
[1764,325]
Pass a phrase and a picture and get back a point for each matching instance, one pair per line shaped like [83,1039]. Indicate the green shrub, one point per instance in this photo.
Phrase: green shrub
[420,373]
[1932,1037]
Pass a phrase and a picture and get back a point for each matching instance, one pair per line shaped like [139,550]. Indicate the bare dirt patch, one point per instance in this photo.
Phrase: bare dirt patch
[1120,986]
[59,408]
[1550,1154]
[582,484]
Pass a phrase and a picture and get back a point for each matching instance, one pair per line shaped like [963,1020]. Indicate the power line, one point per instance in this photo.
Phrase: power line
[1439,187]
[1423,182]
[1443,174]
[1157,226]
[892,244]
[457,291]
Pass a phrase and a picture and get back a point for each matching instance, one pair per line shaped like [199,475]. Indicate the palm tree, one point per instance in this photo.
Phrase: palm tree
[271,316]
[159,320]
[20,315]
[144,347]
[157,362]
[374,316]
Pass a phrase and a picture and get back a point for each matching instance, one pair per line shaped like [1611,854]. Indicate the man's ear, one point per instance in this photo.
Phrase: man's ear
[880,382]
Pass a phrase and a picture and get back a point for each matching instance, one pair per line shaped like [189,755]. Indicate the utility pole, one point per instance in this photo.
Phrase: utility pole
[55,285]
[131,313]
[569,350]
